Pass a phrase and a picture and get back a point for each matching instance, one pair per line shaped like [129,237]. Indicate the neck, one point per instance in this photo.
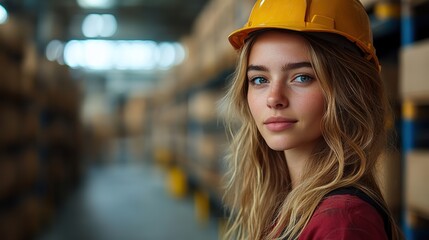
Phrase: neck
[296,160]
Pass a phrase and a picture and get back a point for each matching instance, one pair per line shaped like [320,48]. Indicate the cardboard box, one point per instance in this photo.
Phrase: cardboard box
[14,34]
[416,182]
[202,106]
[414,82]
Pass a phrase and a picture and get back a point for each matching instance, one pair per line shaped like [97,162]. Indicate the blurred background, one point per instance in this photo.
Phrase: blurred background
[109,127]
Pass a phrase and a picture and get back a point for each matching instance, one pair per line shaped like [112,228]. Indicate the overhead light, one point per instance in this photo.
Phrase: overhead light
[96,3]
[99,25]
[3,15]
[96,54]
[54,51]
[167,54]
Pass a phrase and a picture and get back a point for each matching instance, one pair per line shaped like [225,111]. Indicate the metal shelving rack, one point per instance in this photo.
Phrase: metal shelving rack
[415,119]
[39,142]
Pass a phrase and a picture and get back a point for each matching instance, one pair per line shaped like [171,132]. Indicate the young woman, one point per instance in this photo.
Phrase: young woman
[312,114]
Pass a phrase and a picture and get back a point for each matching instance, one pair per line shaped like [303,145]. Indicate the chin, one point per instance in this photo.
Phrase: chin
[278,147]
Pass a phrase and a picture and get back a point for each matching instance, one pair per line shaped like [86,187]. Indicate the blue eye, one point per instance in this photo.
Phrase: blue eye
[303,79]
[258,80]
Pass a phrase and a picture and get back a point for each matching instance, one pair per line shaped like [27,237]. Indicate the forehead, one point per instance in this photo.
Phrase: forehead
[269,44]
[279,34]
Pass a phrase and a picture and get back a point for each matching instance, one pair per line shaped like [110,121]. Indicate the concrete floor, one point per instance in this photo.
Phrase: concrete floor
[128,201]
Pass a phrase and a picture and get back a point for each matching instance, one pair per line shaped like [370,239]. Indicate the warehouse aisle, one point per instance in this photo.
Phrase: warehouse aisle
[127,200]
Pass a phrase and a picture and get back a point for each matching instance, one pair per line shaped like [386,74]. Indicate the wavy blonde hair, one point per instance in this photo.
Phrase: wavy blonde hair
[259,196]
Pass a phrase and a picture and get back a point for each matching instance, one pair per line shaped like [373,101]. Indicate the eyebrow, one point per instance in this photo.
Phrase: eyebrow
[291,66]
[257,68]
[287,67]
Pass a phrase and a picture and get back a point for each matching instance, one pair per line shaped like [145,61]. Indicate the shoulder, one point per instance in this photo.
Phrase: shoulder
[344,217]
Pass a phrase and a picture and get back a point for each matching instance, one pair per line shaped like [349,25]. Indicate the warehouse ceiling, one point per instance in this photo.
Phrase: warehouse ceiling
[158,20]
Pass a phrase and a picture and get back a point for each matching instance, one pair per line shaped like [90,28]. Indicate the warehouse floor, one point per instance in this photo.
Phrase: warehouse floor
[127,200]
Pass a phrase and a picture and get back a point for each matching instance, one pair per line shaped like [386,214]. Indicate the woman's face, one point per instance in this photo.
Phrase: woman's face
[284,96]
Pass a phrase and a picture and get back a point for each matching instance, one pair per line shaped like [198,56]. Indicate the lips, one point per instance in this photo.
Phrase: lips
[277,124]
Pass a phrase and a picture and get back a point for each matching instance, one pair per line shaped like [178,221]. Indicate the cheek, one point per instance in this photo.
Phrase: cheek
[315,104]
[257,107]
[252,102]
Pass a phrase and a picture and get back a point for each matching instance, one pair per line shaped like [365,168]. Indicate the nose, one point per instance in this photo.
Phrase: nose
[277,98]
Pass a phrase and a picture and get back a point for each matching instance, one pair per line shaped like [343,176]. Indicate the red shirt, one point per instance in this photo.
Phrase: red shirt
[344,217]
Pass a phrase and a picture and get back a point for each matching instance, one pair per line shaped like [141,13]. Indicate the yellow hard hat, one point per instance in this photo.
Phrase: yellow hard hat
[347,18]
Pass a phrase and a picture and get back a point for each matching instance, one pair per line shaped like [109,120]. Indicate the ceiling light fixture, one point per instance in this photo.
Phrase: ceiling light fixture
[96,25]
[3,15]
[96,3]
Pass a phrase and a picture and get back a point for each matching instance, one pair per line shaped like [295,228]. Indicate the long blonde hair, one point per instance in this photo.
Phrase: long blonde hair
[259,196]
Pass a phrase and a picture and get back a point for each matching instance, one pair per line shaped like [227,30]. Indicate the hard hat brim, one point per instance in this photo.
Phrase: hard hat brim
[238,37]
